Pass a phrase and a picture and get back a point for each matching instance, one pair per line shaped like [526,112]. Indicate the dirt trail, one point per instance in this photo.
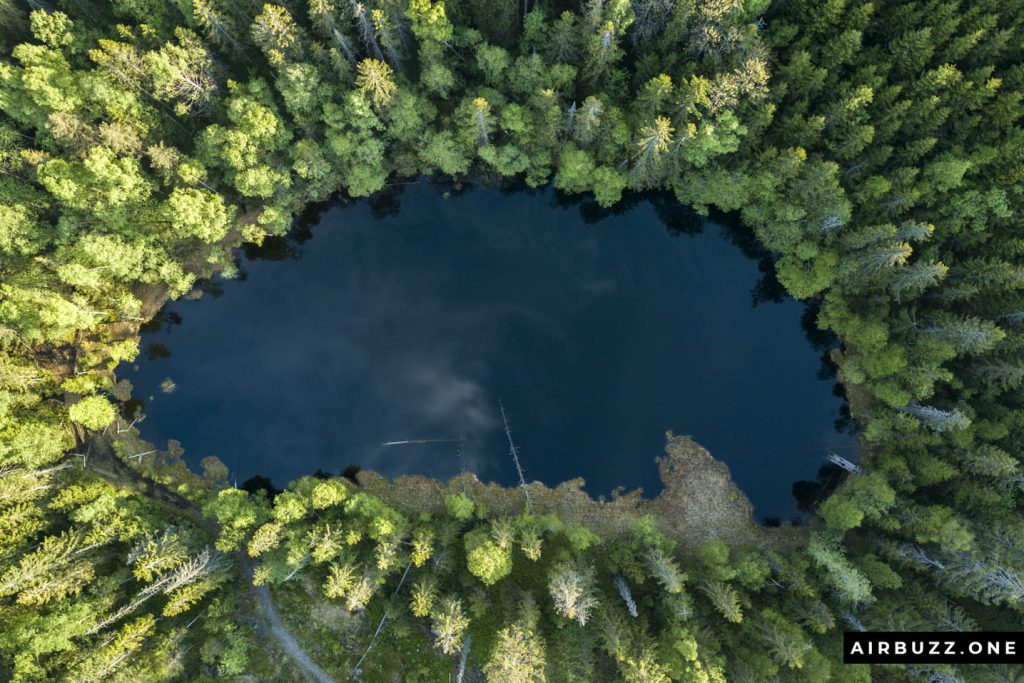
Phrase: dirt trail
[287,641]
[103,462]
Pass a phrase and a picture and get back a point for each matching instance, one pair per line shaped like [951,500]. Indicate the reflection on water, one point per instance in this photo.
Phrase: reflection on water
[388,341]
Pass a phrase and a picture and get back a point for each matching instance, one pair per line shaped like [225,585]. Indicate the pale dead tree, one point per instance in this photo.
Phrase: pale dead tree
[1012,317]
[23,473]
[665,570]
[343,45]
[570,119]
[301,564]
[481,113]
[939,420]
[69,579]
[503,531]
[197,567]
[627,596]
[1002,374]
[831,222]
[587,123]
[515,457]
[916,277]
[851,619]
[572,590]
[367,31]
[996,585]
[8,471]
[441,560]
[655,139]
[406,442]
[463,657]
[842,462]
[1010,542]
[190,571]
[917,555]
[967,334]
[360,593]
[127,65]
[127,428]
[885,257]
[123,63]
[141,455]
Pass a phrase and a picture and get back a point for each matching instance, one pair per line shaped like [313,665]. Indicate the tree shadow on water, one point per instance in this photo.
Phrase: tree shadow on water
[768,289]
[157,351]
[677,219]
[260,483]
[388,202]
[810,494]
[164,319]
[289,245]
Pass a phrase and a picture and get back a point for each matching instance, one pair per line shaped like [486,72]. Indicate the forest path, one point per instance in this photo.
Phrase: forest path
[103,462]
[287,640]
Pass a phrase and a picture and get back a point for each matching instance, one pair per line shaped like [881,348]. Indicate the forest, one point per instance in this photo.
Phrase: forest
[876,148]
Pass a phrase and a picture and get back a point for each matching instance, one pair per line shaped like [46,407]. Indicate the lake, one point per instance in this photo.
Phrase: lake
[388,334]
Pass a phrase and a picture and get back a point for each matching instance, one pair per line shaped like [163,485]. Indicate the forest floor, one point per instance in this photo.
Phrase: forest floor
[286,640]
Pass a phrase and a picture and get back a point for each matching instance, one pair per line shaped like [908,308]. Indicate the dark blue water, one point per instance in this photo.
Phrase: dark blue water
[597,338]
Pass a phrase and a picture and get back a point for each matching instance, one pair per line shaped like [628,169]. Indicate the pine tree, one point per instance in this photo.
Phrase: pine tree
[518,657]
[340,580]
[276,33]
[643,667]
[725,600]
[375,78]
[99,664]
[448,624]
[1003,375]
[665,571]
[424,595]
[785,641]
[654,140]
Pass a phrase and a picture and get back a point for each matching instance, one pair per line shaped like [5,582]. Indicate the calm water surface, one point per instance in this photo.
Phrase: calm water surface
[597,337]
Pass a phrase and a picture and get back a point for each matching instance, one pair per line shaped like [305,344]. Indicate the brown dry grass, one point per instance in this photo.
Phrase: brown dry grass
[700,502]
